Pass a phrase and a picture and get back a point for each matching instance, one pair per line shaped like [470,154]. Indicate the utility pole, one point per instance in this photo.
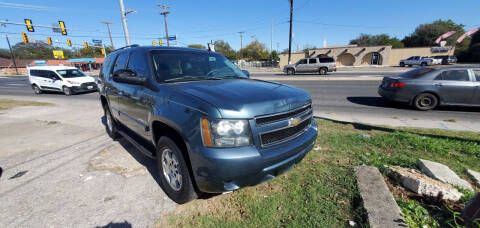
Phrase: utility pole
[124,21]
[164,13]
[241,40]
[271,37]
[11,53]
[290,36]
[109,34]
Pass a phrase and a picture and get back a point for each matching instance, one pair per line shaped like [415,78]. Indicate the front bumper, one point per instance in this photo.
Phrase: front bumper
[80,89]
[226,169]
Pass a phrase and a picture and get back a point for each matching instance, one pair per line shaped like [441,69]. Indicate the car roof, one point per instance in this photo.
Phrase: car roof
[149,48]
[47,67]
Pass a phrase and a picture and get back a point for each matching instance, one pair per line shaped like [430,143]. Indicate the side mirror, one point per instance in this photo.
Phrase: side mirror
[128,76]
[246,73]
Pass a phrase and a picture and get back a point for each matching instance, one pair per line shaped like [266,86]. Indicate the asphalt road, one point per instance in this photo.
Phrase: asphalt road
[339,97]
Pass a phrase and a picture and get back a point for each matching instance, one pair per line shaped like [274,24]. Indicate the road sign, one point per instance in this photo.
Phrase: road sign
[63,28]
[29,25]
[172,38]
[96,41]
[58,54]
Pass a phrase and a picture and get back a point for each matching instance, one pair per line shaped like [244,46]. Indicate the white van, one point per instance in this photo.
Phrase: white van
[66,79]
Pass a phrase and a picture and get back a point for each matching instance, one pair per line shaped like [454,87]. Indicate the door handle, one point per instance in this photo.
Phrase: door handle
[439,84]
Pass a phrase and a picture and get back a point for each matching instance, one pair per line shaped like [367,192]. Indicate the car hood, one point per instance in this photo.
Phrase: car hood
[245,98]
[289,65]
[81,79]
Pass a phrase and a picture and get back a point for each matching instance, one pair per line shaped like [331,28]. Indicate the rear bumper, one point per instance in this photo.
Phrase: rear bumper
[392,95]
[226,169]
[334,69]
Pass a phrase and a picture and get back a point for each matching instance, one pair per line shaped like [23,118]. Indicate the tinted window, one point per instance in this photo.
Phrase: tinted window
[477,75]
[302,61]
[138,63]
[121,61]
[454,75]
[417,73]
[312,61]
[40,73]
[107,66]
[327,60]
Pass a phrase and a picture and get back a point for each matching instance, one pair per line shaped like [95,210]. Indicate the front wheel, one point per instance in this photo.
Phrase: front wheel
[290,72]
[67,91]
[425,101]
[402,64]
[173,171]
[423,64]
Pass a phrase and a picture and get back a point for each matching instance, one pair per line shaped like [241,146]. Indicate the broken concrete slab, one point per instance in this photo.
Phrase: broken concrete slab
[472,210]
[424,185]
[381,208]
[475,176]
[442,173]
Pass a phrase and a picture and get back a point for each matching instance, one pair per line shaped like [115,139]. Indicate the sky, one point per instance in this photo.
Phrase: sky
[200,21]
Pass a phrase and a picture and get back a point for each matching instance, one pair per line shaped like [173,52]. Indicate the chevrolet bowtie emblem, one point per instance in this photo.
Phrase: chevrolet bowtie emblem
[292,122]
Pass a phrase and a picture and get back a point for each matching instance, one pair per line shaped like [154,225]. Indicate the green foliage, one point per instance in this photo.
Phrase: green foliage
[366,40]
[274,55]
[40,50]
[198,46]
[472,54]
[426,34]
[415,215]
[224,48]
[255,51]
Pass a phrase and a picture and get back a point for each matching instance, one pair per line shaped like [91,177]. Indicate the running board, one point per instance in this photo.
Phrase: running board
[137,145]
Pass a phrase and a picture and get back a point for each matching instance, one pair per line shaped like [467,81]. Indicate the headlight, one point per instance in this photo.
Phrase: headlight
[225,133]
[73,83]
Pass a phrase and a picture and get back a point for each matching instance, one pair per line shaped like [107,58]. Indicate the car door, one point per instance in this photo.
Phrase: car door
[476,86]
[301,66]
[48,82]
[133,100]
[56,81]
[454,86]
[115,88]
[312,65]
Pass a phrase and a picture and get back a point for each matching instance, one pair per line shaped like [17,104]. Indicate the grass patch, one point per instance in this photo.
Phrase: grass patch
[451,120]
[10,103]
[321,191]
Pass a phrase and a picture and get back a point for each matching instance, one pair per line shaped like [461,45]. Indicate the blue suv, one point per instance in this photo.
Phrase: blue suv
[209,126]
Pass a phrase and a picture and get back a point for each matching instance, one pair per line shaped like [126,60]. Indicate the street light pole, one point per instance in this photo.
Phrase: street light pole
[241,40]
[124,22]
[290,36]
[11,53]
[164,13]
[109,34]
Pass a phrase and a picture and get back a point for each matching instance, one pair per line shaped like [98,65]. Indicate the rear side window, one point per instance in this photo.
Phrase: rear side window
[121,62]
[138,63]
[477,75]
[40,73]
[417,73]
[327,60]
[312,61]
[454,75]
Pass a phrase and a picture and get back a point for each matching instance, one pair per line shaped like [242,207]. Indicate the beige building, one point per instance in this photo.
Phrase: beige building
[352,55]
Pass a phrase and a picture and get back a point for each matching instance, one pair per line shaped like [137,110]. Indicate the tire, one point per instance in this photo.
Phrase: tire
[36,89]
[173,172]
[402,64]
[110,125]
[425,102]
[423,64]
[67,91]
[322,71]
[290,71]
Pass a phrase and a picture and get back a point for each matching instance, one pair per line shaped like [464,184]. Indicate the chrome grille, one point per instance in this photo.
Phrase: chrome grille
[280,116]
[284,134]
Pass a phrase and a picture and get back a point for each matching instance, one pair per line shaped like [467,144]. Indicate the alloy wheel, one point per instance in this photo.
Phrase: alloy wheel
[171,169]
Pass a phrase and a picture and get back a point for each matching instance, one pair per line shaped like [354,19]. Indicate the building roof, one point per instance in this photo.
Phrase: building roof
[82,60]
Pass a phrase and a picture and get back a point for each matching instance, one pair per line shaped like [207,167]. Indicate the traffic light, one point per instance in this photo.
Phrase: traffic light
[63,28]
[103,51]
[159,42]
[85,44]
[25,38]
[49,40]
[153,43]
[69,42]
[29,25]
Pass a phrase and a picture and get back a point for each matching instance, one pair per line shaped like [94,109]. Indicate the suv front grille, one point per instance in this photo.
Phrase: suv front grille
[285,133]
[273,118]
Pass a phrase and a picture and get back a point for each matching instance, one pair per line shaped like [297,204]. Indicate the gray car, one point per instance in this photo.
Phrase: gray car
[426,88]
[320,65]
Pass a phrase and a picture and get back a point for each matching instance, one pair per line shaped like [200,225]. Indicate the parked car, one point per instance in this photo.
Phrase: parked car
[418,60]
[66,79]
[447,59]
[208,125]
[320,65]
[426,88]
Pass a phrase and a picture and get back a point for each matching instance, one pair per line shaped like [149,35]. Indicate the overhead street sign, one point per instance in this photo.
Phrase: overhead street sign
[96,41]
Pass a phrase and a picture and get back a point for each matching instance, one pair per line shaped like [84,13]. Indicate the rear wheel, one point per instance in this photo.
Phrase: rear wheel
[402,64]
[322,71]
[423,64]
[36,89]
[110,124]
[67,91]
[425,101]
[173,171]
[290,71]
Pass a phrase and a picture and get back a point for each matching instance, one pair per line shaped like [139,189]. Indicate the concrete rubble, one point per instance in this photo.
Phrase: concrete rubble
[424,185]
[475,176]
[442,173]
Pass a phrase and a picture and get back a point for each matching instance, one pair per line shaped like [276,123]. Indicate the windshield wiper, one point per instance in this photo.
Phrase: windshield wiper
[230,77]
[191,78]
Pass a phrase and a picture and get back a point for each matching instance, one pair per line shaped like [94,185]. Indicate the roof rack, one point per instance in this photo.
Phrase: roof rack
[129,46]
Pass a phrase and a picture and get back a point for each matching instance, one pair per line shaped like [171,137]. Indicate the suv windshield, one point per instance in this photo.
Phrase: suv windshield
[191,65]
[71,73]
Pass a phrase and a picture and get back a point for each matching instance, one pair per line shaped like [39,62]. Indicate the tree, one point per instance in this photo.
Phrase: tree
[426,34]
[255,51]
[37,50]
[366,40]
[472,54]
[274,55]
[308,47]
[224,48]
[198,46]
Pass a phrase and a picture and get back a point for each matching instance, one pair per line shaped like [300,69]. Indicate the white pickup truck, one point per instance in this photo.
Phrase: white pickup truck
[419,60]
